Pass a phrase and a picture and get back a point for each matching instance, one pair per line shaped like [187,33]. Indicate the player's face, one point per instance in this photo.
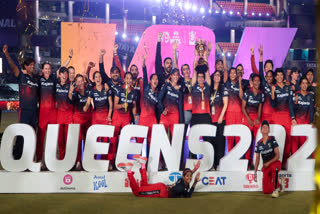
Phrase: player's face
[268,67]
[115,75]
[269,78]
[240,70]
[200,79]
[154,81]
[294,76]
[219,66]
[30,68]
[128,79]
[304,85]
[46,70]
[134,71]
[233,75]
[80,83]
[72,74]
[64,76]
[168,65]
[310,77]
[175,77]
[97,79]
[187,178]
[256,83]
[265,129]
[217,77]
[279,77]
[185,71]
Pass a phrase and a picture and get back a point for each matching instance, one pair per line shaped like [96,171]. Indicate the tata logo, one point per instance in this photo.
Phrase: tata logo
[175,176]
[214,180]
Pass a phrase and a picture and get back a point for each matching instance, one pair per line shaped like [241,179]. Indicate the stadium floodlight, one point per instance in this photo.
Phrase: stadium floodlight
[180,4]
[245,13]
[260,14]
[217,11]
[230,12]
[187,6]
[268,14]
[158,1]
[229,54]
[252,14]
[223,12]
[194,8]
[210,11]
[201,10]
[165,1]
[124,36]
[136,38]
[116,33]
[172,3]
[222,54]
[238,13]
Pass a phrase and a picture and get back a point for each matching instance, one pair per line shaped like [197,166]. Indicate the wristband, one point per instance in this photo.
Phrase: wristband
[70,57]
[293,118]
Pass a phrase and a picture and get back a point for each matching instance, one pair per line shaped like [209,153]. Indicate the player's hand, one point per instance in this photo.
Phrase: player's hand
[197,178]
[102,52]
[261,50]
[256,122]
[165,112]
[124,105]
[312,125]
[220,120]
[196,166]
[106,86]
[265,165]
[240,78]
[71,52]
[71,87]
[250,122]
[160,36]
[209,46]
[91,64]
[5,49]
[136,117]
[224,51]
[109,118]
[175,45]
[252,49]
[115,48]
[273,88]
[294,122]
[255,177]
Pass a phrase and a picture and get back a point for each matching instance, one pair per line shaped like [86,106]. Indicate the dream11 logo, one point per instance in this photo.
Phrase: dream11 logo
[250,178]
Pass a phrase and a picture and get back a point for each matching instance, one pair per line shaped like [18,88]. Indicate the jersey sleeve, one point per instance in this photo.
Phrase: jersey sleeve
[245,96]
[109,93]
[225,92]
[274,143]
[256,149]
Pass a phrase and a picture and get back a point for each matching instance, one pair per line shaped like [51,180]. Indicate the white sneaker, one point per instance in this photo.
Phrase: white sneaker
[125,166]
[139,159]
[275,194]
[282,184]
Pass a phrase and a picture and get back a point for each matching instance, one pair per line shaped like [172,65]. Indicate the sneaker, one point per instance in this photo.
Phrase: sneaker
[275,194]
[125,166]
[139,159]
[282,184]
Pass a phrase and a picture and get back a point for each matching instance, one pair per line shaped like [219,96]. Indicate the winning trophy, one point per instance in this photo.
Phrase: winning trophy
[201,47]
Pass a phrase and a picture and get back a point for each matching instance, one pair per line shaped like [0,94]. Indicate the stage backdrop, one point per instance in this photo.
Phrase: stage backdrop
[276,43]
[186,36]
[87,39]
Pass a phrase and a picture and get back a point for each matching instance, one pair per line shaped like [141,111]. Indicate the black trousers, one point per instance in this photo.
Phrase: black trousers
[219,143]
[27,116]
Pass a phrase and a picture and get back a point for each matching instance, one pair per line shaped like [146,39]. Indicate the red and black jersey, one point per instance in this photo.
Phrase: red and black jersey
[295,86]
[234,103]
[187,96]
[216,102]
[283,100]
[171,99]
[149,98]
[137,87]
[304,107]
[200,99]
[47,92]
[266,150]
[80,100]
[61,97]
[124,97]
[113,86]
[100,99]
[28,91]
[253,101]
[266,89]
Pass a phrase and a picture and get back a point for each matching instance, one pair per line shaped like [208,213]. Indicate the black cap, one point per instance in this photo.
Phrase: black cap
[265,122]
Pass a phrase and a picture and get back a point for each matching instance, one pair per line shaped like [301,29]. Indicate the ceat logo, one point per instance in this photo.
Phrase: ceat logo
[67,179]
[175,176]
[214,180]
[250,177]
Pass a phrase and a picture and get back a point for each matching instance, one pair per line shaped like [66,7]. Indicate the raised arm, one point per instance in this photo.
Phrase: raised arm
[208,78]
[104,76]
[158,55]
[117,61]
[195,63]
[87,74]
[144,69]
[13,66]
[66,63]
[175,59]
[253,61]
[225,69]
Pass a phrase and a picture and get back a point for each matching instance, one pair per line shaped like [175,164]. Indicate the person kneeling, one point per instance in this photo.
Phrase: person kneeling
[268,148]
[180,189]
